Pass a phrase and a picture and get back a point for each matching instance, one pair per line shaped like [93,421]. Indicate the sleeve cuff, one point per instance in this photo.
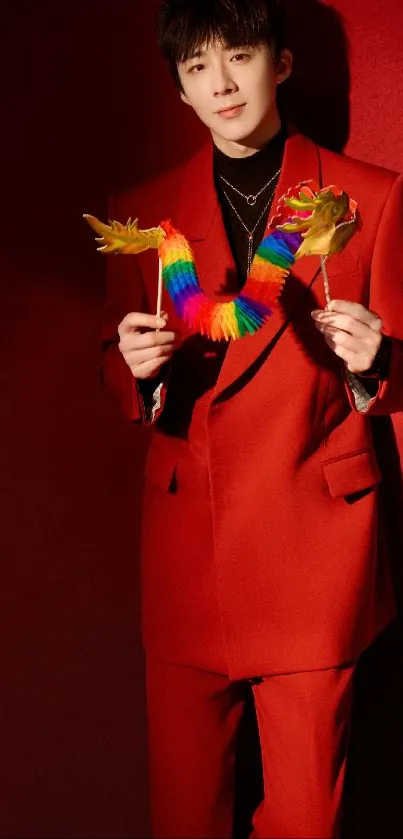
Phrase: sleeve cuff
[151,395]
[380,366]
[361,392]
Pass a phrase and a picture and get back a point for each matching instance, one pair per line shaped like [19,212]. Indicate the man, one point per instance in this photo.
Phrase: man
[264,559]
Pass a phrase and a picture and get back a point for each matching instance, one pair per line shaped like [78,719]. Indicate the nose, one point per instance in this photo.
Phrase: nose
[223,82]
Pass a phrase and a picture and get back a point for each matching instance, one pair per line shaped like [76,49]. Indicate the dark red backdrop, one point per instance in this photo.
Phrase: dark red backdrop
[87,109]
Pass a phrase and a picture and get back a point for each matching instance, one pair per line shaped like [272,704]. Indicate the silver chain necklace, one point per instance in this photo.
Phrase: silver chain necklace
[251,199]
[251,233]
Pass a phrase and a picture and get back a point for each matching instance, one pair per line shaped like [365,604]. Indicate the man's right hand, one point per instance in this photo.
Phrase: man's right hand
[144,349]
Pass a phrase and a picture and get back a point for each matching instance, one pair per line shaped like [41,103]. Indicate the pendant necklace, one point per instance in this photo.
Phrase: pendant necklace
[251,199]
[251,233]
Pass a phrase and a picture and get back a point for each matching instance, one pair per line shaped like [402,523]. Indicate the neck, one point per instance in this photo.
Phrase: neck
[249,145]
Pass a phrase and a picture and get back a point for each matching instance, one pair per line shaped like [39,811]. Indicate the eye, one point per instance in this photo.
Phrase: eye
[196,68]
[240,57]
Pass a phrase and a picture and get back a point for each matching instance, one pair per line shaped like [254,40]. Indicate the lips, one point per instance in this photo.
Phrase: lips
[229,111]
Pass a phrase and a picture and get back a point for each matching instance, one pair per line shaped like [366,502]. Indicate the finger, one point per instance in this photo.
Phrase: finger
[367,344]
[346,323]
[345,353]
[342,324]
[335,337]
[356,310]
[164,315]
[145,340]
[351,360]
[150,368]
[357,356]
[137,357]
[140,320]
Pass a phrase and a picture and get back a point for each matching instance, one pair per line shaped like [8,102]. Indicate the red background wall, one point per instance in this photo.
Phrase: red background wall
[87,109]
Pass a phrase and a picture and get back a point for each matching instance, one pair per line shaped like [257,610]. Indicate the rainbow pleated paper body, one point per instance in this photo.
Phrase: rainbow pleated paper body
[250,309]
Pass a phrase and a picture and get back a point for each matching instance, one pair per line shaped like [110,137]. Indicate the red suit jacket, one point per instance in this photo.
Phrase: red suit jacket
[264,550]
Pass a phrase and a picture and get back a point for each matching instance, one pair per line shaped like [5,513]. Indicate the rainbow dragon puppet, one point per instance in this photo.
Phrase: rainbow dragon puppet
[307,221]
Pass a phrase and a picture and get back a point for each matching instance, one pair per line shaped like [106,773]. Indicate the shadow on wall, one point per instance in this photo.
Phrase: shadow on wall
[316,97]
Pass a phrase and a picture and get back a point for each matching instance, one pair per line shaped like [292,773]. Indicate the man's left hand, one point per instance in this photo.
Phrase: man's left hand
[352,332]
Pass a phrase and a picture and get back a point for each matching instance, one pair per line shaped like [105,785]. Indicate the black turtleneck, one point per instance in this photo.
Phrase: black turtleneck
[248,175]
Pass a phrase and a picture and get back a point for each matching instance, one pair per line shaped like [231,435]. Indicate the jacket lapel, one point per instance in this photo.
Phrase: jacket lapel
[199,218]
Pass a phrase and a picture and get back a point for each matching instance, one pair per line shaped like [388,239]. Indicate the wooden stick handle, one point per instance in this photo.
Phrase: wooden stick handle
[160,287]
[325,279]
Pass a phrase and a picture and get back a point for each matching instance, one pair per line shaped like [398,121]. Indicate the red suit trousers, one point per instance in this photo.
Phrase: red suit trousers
[194,716]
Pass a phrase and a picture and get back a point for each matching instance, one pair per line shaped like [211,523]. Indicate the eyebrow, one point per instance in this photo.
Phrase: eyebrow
[199,53]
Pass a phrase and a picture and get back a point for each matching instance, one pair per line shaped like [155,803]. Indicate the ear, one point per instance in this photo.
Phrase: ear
[284,66]
[184,98]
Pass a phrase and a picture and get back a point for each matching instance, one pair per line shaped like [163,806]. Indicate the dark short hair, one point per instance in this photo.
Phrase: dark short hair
[183,26]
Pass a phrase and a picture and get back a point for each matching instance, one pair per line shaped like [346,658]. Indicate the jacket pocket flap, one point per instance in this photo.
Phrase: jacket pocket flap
[352,473]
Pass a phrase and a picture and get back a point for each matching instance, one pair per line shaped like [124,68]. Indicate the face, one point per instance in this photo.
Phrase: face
[233,92]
